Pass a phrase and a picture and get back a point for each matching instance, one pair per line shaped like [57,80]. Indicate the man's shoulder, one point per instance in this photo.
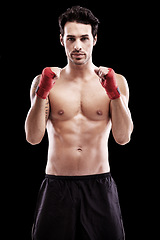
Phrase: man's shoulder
[123,85]
[34,86]
[121,80]
[120,77]
[35,81]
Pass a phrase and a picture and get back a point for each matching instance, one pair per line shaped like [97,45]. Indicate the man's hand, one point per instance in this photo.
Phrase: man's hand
[47,81]
[108,81]
[102,72]
[56,71]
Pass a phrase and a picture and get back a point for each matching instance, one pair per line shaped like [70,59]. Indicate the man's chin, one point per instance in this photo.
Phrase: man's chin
[79,61]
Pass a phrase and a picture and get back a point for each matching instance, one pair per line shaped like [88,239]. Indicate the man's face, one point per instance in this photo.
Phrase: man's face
[78,42]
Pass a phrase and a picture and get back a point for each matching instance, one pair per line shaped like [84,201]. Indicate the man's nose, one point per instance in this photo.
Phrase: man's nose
[77,46]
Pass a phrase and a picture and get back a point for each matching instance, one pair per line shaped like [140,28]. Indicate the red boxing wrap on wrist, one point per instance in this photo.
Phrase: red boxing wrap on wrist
[46,83]
[110,85]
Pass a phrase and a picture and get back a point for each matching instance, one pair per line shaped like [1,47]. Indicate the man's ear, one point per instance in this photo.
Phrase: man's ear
[95,40]
[61,40]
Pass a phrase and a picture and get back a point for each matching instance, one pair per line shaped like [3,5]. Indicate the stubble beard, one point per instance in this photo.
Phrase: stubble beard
[79,61]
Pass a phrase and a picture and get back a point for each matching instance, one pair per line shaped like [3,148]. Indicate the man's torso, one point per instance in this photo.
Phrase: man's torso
[78,127]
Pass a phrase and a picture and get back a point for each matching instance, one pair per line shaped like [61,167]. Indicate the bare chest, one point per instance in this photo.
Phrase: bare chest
[89,99]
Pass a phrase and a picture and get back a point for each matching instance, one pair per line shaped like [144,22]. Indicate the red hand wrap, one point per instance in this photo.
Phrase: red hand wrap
[110,85]
[46,83]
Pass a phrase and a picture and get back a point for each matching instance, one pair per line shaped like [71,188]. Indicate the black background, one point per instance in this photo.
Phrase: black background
[30,43]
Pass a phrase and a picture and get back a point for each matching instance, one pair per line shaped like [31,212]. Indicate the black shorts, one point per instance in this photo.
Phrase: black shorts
[78,208]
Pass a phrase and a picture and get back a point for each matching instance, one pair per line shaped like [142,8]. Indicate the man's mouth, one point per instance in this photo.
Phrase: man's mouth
[78,54]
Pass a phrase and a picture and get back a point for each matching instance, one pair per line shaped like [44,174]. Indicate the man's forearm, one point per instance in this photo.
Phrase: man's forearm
[35,124]
[122,125]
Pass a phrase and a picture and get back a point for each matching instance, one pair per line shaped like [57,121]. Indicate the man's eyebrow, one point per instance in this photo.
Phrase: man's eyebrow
[84,35]
[70,36]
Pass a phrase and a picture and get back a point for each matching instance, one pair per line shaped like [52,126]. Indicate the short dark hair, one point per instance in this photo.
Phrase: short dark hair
[80,15]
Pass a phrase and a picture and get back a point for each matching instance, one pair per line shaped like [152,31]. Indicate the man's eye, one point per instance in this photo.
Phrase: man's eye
[84,38]
[70,39]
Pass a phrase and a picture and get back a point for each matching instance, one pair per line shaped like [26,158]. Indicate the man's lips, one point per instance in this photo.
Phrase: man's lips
[78,55]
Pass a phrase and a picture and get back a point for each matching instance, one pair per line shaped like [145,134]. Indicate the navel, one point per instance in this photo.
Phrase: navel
[79,149]
[99,112]
[60,112]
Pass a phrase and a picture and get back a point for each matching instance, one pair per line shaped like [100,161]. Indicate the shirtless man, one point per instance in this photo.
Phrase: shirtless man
[79,105]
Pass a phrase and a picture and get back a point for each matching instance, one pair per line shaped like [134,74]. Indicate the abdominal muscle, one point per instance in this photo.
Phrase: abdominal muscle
[78,149]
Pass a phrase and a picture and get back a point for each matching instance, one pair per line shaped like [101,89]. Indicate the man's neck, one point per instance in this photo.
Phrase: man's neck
[80,71]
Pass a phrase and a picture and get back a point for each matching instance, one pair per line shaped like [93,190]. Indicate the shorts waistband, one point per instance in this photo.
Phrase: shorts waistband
[81,177]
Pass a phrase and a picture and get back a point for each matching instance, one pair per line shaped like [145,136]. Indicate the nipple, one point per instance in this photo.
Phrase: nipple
[99,112]
[60,112]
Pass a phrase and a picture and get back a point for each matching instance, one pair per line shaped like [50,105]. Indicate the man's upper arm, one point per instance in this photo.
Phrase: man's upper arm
[34,86]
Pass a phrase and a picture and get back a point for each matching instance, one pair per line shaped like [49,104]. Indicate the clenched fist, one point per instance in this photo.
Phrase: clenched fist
[47,80]
[108,81]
